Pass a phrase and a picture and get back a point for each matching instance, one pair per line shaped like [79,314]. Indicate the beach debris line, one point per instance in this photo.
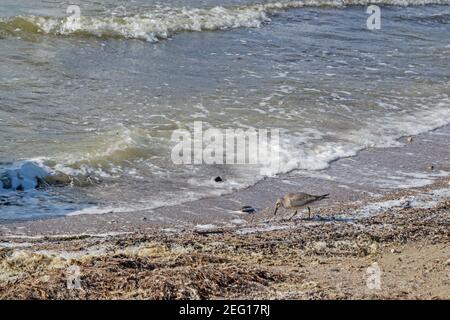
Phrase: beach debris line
[208,229]
[297,201]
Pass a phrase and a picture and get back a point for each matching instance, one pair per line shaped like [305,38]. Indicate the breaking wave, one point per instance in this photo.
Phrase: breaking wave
[163,23]
[34,174]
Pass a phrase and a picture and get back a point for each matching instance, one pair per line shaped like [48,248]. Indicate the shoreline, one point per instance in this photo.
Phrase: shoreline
[328,257]
[371,174]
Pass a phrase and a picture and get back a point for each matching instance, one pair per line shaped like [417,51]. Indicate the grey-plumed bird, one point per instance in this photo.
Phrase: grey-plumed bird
[297,201]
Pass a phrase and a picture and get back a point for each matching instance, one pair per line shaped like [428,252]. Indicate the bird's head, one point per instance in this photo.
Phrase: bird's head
[278,204]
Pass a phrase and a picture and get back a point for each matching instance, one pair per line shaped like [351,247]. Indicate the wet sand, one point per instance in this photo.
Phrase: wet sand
[388,218]
[371,174]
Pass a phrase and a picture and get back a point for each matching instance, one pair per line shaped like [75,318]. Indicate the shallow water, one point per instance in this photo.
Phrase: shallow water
[98,98]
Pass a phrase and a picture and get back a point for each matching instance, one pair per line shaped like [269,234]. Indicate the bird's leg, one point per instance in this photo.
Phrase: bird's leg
[309,213]
[295,213]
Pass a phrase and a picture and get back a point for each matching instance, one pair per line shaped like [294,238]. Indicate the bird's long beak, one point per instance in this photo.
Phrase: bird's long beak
[276,209]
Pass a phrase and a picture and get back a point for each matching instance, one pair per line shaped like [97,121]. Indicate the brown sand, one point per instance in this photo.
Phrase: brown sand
[321,259]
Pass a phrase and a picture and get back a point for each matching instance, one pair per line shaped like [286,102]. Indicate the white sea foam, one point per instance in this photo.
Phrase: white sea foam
[406,180]
[422,201]
[163,22]
[297,153]
[99,210]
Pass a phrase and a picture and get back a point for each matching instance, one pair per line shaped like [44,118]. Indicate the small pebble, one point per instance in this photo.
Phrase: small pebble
[448,262]
[373,248]
[248,209]
[218,179]
[406,204]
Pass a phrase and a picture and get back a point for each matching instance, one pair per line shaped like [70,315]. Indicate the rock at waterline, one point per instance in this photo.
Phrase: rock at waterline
[248,209]
[29,175]
[22,176]
[59,179]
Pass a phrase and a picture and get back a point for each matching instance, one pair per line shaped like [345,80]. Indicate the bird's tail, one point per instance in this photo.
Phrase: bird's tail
[323,196]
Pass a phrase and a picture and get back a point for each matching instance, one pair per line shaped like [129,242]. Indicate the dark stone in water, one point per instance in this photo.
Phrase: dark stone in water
[7,183]
[58,180]
[41,183]
[248,209]
[218,179]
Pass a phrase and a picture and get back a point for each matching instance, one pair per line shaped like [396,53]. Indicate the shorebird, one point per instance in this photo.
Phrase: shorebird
[297,201]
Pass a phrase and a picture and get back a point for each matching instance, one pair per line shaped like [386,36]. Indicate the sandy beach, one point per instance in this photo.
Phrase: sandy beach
[320,259]
[400,236]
